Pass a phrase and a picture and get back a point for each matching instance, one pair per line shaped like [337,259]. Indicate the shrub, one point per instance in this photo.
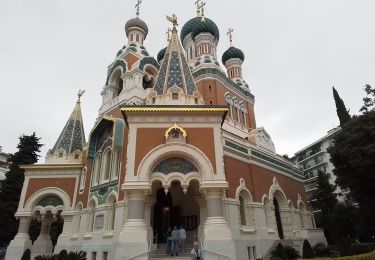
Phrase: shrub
[361,248]
[62,255]
[307,250]
[291,253]
[321,250]
[78,255]
[279,252]
[26,255]
[46,257]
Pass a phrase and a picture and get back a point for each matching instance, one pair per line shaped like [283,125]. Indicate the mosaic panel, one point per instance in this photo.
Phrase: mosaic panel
[175,164]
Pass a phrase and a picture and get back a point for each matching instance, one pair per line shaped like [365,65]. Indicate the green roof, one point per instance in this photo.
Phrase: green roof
[196,26]
[232,53]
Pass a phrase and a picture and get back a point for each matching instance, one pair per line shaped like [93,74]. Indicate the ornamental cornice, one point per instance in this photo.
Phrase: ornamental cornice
[51,166]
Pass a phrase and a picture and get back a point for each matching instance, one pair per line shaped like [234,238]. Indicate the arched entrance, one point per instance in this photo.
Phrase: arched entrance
[175,207]
[278,219]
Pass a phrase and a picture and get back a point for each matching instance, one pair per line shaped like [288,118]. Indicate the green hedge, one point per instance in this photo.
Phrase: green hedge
[369,256]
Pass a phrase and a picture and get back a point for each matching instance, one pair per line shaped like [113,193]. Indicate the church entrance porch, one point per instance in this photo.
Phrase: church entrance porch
[175,206]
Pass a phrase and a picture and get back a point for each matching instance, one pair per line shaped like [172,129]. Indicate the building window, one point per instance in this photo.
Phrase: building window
[107,159]
[209,88]
[96,170]
[131,37]
[61,155]
[83,180]
[153,100]
[174,96]
[137,37]
[93,255]
[191,52]
[105,255]
[242,211]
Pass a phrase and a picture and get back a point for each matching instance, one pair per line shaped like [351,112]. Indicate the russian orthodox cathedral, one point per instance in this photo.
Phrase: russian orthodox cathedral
[175,144]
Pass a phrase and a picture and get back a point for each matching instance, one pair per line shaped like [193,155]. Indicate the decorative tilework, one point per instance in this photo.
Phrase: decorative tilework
[175,164]
[148,60]
[118,63]
[174,73]
[190,87]
[159,85]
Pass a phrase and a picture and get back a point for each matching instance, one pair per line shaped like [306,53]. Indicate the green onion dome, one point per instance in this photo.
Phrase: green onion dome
[196,26]
[161,54]
[232,53]
[136,23]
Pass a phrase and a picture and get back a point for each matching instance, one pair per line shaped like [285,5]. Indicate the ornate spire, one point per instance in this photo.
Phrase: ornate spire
[174,71]
[72,137]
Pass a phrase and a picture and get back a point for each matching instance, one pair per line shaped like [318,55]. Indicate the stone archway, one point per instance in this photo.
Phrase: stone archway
[176,206]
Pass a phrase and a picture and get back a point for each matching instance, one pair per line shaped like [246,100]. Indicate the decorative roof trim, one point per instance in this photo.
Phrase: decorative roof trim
[51,166]
[175,127]
[174,109]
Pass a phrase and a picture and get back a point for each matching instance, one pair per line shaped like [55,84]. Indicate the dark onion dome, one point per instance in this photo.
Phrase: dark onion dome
[232,53]
[197,26]
[138,23]
[161,54]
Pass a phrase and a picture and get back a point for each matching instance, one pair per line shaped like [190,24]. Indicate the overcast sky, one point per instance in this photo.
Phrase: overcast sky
[295,50]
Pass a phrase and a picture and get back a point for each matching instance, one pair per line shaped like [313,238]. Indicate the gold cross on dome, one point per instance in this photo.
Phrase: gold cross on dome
[80,94]
[137,6]
[173,20]
[229,33]
[201,10]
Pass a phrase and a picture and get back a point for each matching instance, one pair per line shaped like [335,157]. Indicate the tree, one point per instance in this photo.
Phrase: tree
[325,198]
[368,102]
[353,156]
[341,110]
[11,186]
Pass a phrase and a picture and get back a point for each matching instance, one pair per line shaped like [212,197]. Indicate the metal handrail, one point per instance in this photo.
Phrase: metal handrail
[143,253]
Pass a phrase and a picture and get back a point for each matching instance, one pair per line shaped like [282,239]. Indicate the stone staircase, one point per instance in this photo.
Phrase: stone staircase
[284,242]
[160,254]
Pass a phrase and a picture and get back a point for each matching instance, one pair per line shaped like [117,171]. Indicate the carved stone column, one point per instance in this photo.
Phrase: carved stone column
[21,241]
[217,234]
[43,244]
[134,234]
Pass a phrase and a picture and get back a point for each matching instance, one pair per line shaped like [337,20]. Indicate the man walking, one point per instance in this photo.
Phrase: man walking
[182,238]
[175,236]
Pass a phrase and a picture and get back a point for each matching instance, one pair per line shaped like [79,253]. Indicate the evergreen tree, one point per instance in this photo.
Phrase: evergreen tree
[353,157]
[368,102]
[342,113]
[11,186]
[324,199]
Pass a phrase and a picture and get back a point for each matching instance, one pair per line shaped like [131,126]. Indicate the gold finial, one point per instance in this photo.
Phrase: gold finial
[169,34]
[229,33]
[198,3]
[137,6]
[173,20]
[201,9]
[80,94]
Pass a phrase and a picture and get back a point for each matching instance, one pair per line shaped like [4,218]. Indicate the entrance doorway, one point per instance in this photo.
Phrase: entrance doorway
[278,218]
[175,208]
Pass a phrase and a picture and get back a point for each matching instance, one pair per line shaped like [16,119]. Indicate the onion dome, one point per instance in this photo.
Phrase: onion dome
[196,26]
[232,53]
[161,54]
[136,23]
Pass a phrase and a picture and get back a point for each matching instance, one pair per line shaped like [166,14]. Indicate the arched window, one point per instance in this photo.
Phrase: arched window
[106,169]
[137,37]
[96,170]
[90,216]
[82,180]
[131,37]
[120,84]
[242,211]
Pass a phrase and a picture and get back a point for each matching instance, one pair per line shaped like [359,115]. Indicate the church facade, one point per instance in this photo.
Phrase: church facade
[175,144]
